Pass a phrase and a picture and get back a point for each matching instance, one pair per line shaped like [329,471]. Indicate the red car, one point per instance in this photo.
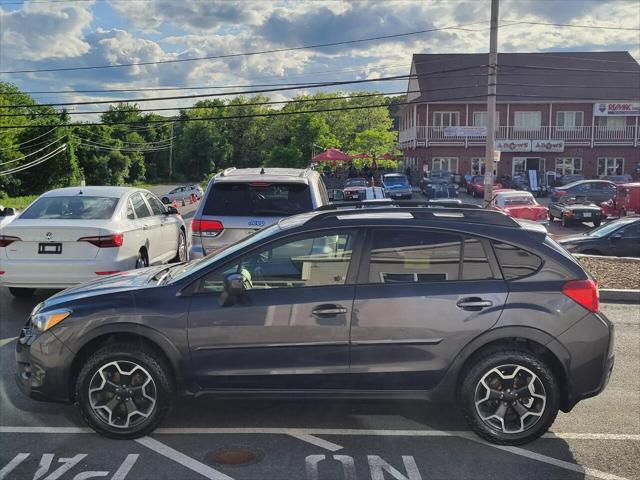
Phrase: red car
[626,201]
[355,188]
[521,205]
[476,186]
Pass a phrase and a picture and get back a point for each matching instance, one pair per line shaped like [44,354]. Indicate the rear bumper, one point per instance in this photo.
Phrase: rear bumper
[58,274]
[43,365]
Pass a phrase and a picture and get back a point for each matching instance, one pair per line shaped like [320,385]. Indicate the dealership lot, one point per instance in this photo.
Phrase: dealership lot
[320,439]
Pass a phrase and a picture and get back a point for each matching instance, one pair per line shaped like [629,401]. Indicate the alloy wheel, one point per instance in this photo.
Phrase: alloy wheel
[122,394]
[510,399]
[182,248]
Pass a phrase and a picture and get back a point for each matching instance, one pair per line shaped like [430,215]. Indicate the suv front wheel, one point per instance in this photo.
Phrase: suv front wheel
[124,390]
[509,397]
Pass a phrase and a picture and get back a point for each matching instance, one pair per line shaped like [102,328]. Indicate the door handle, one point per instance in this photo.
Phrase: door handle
[474,303]
[325,311]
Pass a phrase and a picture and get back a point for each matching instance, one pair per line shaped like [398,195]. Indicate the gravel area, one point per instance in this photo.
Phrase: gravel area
[613,273]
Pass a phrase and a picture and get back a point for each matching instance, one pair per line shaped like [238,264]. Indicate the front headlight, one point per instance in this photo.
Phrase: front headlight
[44,321]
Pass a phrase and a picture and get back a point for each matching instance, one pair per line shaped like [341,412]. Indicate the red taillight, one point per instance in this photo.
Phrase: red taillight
[206,228]
[6,240]
[105,241]
[1,272]
[583,292]
[108,272]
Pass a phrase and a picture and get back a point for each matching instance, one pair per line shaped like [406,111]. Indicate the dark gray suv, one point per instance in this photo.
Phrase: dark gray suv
[436,302]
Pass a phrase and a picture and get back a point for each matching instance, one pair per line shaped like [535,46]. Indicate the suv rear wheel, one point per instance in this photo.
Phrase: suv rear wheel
[509,397]
[124,391]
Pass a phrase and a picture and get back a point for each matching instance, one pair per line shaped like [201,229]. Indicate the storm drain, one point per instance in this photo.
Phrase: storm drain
[234,456]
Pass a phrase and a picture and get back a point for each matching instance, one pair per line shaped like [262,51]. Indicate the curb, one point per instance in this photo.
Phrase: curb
[609,258]
[619,295]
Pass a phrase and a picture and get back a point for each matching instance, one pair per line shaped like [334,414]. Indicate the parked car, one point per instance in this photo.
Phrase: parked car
[183,192]
[7,214]
[618,179]
[439,184]
[70,235]
[575,210]
[355,188]
[520,205]
[239,202]
[626,201]
[476,187]
[396,185]
[567,179]
[619,237]
[458,304]
[593,190]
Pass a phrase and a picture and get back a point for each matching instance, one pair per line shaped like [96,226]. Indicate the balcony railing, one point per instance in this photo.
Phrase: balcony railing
[628,134]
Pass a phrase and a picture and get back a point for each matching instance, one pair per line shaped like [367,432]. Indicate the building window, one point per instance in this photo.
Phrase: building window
[480,119]
[519,166]
[527,121]
[446,119]
[449,164]
[478,166]
[613,123]
[610,166]
[569,119]
[568,166]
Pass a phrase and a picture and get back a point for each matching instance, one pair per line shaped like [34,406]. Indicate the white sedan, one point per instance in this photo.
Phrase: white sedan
[72,235]
[182,193]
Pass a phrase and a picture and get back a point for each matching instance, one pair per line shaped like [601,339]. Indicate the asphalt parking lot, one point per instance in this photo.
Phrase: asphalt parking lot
[319,439]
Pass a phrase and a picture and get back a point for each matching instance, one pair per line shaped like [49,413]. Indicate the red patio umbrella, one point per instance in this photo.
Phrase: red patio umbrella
[332,155]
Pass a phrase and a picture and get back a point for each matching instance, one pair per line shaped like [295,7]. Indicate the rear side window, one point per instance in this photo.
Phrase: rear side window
[476,264]
[257,199]
[139,206]
[77,207]
[408,256]
[515,262]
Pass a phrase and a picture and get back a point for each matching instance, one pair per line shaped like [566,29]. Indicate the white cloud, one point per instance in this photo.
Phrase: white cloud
[40,31]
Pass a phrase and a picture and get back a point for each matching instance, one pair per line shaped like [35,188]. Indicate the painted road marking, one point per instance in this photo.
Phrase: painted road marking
[592,472]
[320,431]
[10,467]
[318,442]
[6,341]
[182,459]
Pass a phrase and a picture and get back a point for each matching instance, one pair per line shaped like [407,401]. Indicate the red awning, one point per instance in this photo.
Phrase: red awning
[332,155]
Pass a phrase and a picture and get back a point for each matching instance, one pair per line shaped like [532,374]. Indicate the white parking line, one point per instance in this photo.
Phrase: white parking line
[318,442]
[182,459]
[6,341]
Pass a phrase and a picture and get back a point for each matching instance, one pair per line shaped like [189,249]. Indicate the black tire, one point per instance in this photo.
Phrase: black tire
[166,200]
[182,244]
[551,217]
[596,223]
[481,366]
[22,292]
[565,221]
[128,354]
[622,213]
[142,260]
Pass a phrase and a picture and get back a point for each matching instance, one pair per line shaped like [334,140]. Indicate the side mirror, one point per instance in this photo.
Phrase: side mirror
[171,210]
[233,289]
[615,237]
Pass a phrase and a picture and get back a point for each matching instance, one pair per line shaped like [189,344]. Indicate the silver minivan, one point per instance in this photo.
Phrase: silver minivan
[239,202]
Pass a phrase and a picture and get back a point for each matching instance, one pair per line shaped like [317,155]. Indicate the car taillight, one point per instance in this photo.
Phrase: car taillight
[583,292]
[105,241]
[206,228]
[6,240]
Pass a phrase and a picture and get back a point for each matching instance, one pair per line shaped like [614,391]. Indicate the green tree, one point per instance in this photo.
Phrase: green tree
[374,142]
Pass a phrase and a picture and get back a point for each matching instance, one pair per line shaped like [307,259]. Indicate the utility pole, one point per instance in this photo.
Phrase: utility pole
[170,152]
[491,105]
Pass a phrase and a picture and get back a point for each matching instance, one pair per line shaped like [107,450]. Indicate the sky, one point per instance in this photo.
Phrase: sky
[40,34]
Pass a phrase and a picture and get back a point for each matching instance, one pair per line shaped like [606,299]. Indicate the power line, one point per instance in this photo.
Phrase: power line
[120,149]
[243,92]
[245,54]
[32,153]
[28,141]
[570,25]
[34,163]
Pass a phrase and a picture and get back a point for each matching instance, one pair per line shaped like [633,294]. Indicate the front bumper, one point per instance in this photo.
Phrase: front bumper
[43,365]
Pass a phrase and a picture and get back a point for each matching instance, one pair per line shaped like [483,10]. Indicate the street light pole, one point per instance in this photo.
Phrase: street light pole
[170,151]
[491,104]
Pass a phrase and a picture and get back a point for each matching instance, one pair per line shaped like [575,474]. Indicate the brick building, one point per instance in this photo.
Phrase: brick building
[563,112]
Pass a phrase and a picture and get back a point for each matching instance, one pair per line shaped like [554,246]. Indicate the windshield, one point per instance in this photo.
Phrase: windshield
[396,180]
[605,230]
[74,207]
[257,199]
[356,182]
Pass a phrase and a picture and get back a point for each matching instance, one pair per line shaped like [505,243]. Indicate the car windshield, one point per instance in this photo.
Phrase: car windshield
[76,207]
[257,199]
[605,229]
[356,182]
[396,180]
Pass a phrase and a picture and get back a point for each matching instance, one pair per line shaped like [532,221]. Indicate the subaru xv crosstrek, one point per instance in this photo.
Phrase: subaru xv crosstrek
[241,201]
[437,302]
